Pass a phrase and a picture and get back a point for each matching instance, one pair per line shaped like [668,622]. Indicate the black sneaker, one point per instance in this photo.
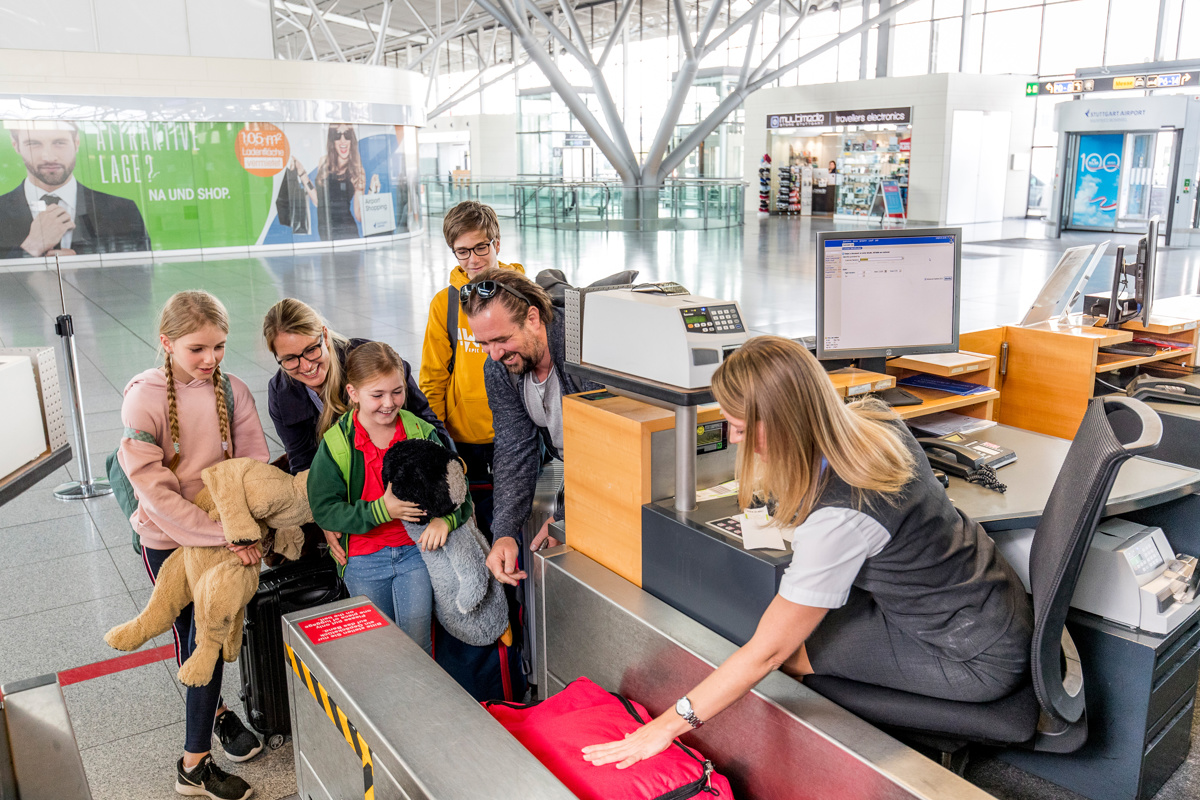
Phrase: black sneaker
[209,780]
[238,743]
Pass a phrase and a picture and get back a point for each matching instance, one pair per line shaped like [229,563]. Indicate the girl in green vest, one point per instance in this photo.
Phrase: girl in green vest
[347,494]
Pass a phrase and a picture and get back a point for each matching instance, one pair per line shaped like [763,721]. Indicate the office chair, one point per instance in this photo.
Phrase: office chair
[1048,713]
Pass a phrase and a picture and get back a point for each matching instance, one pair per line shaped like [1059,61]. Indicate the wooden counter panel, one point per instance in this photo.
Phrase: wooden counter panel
[607,472]
[1049,380]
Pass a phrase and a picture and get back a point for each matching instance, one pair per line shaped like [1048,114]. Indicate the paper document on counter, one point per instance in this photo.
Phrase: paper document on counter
[945,422]
[758,534]
[720,490]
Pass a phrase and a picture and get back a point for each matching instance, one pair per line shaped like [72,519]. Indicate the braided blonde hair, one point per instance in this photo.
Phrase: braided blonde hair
[184,313]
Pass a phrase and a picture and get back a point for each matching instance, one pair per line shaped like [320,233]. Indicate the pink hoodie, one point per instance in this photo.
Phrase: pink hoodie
[166,518]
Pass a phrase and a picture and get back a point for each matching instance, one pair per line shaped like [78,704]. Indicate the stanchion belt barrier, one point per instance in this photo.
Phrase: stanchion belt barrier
[338,718]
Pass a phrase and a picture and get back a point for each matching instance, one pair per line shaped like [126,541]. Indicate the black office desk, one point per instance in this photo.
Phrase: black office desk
[1140,688]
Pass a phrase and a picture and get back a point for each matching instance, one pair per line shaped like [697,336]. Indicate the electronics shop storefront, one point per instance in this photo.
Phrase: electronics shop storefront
[832,162]
[1125,160]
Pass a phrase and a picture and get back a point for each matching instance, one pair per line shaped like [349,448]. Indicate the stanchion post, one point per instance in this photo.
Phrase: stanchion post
[87,486]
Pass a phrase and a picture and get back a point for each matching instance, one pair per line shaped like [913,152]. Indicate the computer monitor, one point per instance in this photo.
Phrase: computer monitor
[1147,263]
[887,293]
[1142,270]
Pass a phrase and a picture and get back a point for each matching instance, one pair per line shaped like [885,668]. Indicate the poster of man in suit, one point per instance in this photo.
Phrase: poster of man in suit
[50,212]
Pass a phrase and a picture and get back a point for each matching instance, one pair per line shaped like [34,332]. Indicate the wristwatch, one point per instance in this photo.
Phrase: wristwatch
[683,707]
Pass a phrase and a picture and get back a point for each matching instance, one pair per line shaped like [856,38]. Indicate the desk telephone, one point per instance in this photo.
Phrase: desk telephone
[969,459]
[1150,387]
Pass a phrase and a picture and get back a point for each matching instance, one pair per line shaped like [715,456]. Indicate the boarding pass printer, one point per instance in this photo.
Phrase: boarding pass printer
[660,332]
[1130,576]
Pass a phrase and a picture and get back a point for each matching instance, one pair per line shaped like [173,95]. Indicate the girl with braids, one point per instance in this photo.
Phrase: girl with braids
[179,419]
[347,493]
[308,393]
[889,584]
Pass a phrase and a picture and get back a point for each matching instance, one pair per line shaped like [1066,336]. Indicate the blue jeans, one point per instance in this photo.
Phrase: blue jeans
[396,581]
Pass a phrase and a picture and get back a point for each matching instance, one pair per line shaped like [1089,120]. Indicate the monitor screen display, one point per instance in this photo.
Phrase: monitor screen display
[885,293]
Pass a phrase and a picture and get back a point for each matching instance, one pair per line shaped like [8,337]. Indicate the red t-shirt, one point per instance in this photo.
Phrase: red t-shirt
[389,534]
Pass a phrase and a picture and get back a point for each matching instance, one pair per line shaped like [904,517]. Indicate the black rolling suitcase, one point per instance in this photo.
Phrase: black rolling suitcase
[291,586]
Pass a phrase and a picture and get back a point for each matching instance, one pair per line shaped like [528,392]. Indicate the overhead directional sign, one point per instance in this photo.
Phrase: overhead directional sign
[1163,80]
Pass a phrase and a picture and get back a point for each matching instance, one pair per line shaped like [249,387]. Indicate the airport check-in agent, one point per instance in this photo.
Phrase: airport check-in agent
[889,583]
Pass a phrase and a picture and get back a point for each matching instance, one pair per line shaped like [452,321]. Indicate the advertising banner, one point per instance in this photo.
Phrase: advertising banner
[861,116]
[1097,181]
[893,201]
[83,188]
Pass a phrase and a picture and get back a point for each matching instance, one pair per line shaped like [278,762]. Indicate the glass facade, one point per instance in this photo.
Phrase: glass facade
[1044,38]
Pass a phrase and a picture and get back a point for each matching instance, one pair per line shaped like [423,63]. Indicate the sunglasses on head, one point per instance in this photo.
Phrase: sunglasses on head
[347,135]
[487,290]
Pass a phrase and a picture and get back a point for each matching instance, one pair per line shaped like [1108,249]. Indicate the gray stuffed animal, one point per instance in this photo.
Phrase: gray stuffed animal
[468,601]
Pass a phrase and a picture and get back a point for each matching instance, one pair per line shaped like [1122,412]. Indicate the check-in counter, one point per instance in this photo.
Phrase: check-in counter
[371,711]
[39,758]
[373,715]
[781,741]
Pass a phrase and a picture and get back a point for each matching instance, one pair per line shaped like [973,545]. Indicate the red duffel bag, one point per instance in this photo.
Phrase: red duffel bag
[556,730]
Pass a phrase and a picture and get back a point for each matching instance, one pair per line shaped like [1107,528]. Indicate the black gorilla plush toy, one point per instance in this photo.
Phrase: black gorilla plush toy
[468,601]
[421,471]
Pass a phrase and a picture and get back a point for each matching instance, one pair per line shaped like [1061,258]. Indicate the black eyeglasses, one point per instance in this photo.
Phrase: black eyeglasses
[487,290]
[347,135]
[481,249]
[311,354]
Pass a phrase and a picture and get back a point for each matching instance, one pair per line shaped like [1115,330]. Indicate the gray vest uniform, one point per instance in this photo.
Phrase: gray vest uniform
[939,579]
[937,593]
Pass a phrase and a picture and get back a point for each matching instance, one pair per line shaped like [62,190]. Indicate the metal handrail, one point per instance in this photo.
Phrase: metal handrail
[596,204]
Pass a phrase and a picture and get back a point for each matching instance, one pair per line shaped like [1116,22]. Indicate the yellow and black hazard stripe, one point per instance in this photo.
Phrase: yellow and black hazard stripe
[338,718]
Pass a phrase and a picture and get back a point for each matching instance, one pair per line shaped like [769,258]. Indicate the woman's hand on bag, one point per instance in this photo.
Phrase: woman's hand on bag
[646,742]
[249,554]
[296,165]
[376,185]
[401,509]
[434,536]
[334,540]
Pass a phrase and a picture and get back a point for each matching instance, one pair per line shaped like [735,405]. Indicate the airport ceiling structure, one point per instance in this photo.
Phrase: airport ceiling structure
[466,36]
[474,36]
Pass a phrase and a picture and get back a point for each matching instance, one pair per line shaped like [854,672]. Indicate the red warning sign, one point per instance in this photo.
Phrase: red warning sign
[340,624]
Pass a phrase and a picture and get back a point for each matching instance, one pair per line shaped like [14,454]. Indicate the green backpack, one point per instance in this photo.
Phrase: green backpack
[119,481]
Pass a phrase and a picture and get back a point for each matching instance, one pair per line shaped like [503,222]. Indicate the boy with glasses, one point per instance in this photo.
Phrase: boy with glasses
[451,363]
[451,378]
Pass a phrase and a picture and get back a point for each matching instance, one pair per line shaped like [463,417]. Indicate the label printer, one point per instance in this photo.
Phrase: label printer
[660,332]
[1130,575]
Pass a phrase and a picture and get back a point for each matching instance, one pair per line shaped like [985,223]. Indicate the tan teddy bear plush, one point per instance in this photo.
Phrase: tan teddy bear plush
[247,497]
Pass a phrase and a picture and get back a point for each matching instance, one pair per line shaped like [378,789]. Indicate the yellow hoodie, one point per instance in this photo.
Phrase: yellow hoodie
[459,399]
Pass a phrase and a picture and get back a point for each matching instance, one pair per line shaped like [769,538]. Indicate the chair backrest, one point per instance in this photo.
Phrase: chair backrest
[1114,429]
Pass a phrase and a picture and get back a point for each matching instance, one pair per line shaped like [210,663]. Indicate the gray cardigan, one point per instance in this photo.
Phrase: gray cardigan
[519,443]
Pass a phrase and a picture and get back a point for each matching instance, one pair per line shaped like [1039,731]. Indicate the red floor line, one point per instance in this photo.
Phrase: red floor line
[113,665]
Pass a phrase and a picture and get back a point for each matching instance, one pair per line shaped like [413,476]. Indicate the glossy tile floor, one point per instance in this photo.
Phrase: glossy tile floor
[68,573]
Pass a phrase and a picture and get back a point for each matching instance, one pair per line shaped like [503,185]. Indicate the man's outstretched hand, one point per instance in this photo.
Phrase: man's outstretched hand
[502,561]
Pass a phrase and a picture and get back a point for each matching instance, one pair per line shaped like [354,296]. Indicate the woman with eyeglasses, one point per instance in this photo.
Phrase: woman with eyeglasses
[338,190]
[308,393]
